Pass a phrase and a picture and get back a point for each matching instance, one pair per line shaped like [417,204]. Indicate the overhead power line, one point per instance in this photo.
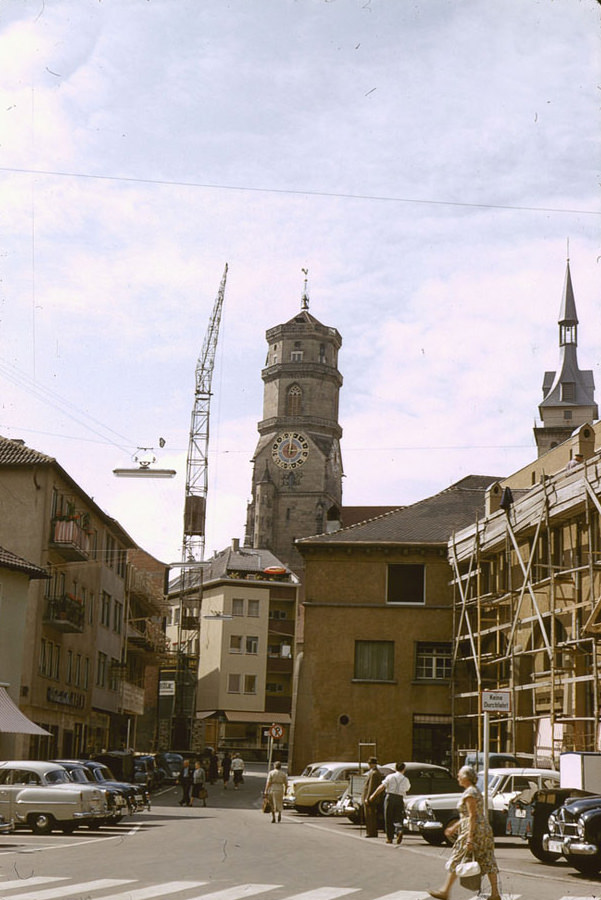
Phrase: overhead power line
[303,193]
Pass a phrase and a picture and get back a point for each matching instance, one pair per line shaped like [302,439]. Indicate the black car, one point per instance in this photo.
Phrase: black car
[147,772]
[137,796]
[574,831]
[115,798]
[170,765]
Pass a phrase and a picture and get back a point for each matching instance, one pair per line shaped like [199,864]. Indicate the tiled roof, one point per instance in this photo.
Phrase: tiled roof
[429,521]
[10,560]
[227,563]
[16,453]
[352,515]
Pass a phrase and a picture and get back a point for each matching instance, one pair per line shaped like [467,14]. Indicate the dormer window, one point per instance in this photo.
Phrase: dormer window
[568,391]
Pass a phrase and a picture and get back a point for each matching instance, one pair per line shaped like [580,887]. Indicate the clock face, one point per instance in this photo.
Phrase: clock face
[290,450]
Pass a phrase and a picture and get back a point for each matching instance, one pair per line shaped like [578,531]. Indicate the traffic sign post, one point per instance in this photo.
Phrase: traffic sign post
[491,701]
[275,734]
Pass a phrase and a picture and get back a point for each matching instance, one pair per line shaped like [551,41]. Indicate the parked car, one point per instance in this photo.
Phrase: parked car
[495,761]
[6,827]
[146,771]
[137,797]
[429,816]
[574,831]
[425,778]
[528,815]
[317,793]
[40,796]
[115,800]
[170,765]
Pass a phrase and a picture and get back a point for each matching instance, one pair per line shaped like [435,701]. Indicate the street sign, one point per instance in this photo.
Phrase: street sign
[166,688]
[495,701]
[276,732]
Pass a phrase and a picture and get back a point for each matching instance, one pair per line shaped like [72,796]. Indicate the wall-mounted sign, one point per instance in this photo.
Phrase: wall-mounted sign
[495,701]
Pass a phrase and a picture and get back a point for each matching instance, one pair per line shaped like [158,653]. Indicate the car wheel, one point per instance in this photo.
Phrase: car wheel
[586,865]
[436,840]
[536,848]
[449,841]
[41,823]
[324,807]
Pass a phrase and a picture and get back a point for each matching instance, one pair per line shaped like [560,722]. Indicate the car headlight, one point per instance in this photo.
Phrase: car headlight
[581,828]
[552,824]
[424,806]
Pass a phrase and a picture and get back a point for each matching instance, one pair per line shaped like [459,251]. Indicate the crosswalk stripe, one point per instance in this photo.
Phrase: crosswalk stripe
[238,892]
[29,882]
[323,893]
[154,890]
[82,888]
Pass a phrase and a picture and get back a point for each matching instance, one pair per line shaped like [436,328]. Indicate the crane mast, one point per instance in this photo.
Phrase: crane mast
[198,446]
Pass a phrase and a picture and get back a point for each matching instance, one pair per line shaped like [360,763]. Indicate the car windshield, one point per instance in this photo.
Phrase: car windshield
[493,782]
[321,772]
[103,773]
[57,776]
[80,775]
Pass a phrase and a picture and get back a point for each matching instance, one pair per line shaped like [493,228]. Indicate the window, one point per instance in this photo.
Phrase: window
[237,607]
[77,672]
[296,356]
[374,660]
[91,608]
[56,667]
[406,583]
[274,687]
[85,681]
[253,608]
[567,414]
[252,644]
[294,401]
[235,643]
[568,391]
[69,675]
[109,550]
[117,616]
[114,675]
[105,609]
[432,661]
[101,669]
[233,684]
[250,684]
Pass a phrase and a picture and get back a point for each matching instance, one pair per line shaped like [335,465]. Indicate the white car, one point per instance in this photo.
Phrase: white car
[429,816]
[41,796]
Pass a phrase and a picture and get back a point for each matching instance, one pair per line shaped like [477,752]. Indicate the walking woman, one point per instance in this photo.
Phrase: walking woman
[475,836]
[277,782]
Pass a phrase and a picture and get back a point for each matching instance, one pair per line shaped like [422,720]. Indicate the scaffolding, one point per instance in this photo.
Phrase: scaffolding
[527,617]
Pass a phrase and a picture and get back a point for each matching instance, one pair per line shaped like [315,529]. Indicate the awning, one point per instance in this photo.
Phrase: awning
[12,720]
[205,713]
[261,718]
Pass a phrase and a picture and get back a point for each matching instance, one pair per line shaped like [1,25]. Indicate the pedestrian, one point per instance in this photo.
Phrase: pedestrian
[213,771]
[237,770]
[373,780]
[199,791]
[226,765]
[277,782]
[185,780]
[395,787]
[475,836]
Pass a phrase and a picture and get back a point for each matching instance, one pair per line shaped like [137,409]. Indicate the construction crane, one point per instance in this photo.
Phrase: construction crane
[198,447]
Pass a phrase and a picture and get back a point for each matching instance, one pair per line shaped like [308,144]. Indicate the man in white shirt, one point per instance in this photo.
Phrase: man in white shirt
[396,786]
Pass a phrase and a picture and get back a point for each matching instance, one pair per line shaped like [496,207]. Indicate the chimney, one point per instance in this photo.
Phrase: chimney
[236,545]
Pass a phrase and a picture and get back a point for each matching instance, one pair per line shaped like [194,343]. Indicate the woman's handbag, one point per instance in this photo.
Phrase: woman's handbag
[266,804]
[469,874]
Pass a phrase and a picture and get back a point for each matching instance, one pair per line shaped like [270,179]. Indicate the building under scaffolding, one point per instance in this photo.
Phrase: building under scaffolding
[527,607]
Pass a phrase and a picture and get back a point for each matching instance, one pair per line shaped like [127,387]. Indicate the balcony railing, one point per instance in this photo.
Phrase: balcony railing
[70,539]
[65,613]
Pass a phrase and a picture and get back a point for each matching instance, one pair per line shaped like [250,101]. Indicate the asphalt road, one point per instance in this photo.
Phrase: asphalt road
[230,850]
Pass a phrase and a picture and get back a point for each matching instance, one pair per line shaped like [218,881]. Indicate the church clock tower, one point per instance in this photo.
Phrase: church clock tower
[297,474]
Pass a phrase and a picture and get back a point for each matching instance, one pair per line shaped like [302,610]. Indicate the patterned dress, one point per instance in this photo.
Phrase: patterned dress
[483,842]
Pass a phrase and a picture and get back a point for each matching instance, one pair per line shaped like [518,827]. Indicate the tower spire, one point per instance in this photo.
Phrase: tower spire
[305,297]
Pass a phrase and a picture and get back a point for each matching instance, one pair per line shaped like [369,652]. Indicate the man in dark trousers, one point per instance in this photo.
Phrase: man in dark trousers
[373,780]
[185,780]
[395,786]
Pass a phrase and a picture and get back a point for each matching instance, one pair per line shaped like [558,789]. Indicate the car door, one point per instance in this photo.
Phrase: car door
[6,792]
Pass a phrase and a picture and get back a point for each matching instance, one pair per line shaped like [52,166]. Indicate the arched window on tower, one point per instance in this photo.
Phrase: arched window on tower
[294,401]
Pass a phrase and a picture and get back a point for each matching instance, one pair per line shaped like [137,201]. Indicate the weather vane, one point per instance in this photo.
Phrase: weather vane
[305,299]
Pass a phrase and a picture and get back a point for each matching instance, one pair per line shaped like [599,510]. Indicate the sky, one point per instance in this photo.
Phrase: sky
[429,162]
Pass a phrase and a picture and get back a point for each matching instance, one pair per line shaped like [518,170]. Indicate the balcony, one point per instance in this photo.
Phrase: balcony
[146,635]
[69,539]
[281,626]
[279,664]
[65,613]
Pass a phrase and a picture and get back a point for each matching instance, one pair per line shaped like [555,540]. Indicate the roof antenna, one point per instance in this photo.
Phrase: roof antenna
[568,244]
[305,297]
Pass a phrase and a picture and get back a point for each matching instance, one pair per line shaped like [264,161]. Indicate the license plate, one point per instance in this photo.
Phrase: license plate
[520,813]
[555,847]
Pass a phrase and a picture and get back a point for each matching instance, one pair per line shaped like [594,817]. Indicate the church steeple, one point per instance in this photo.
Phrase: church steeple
[569,393]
